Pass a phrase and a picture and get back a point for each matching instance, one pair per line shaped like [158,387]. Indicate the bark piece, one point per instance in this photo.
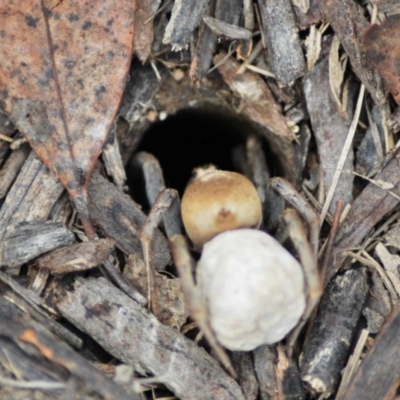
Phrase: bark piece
[378,375]
[264,365]
[337,319]
[28,240]
[43,349]
[77,257]
[392,237]
[347,20]
[388,7]
[32,195]
[370,150]
[11,168]
[391,263]
[205,48]
[144,34]
[143,84]
[14,300]
[330,131]
[313,15]
[230,31]
[378,304]
[283,40]
[172,307]
[185,18]
[368,209]
[113,160]
[382,43]
[256,98]
[225,12]
[121,218]
[133,335]
[243,364]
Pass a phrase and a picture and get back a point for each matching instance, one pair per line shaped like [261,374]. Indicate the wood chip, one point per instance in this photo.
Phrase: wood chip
[133,335]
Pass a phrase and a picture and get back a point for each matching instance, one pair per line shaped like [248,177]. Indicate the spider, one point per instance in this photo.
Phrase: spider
[250,290]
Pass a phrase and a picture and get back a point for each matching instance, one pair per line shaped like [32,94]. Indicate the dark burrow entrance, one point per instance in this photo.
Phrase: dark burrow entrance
[189,139]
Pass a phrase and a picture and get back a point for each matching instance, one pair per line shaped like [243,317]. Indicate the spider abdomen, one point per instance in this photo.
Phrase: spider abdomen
[253,288]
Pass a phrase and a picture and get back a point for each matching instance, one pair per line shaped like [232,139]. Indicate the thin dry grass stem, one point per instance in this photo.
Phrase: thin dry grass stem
[256,51]
[258,16]
[343,156]
[231,50]
[6,138]
[261,71]
[156,71]
[352,364]
[316,203]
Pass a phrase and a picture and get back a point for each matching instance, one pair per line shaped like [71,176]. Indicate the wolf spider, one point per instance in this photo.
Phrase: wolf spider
[250,290]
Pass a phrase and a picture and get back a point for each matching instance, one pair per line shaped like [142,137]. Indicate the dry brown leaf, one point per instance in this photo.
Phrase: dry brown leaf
[62,76]
[382,45]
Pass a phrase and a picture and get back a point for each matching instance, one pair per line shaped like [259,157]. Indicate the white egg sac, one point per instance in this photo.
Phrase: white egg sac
[253,288]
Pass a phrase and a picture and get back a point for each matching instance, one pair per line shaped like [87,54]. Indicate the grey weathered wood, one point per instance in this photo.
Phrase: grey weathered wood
[121,219]
[55,327]
[12,167]
[185,18]
[368,209]
[379,373]
[47,355]
[243,364]
[133,335]
[77,257]
[265,358]
[283,40]
[336,322]
[28,240]
[330,131]
[32,196]
[205,48]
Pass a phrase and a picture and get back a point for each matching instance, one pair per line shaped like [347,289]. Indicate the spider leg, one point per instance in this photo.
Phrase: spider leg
[194,300]
[299,202]
[307,256]
[166,208]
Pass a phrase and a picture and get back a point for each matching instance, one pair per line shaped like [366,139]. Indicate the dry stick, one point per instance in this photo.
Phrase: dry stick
[324,267]
[353,363]
[343,156]
[6,138]
[113,273]
[256,51]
